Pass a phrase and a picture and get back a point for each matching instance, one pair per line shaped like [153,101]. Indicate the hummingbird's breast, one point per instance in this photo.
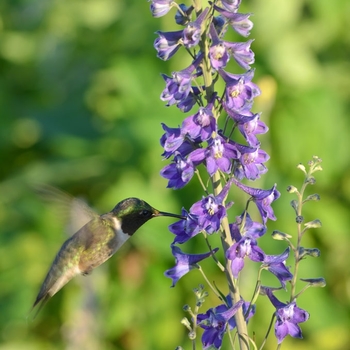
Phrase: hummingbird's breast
[106,238]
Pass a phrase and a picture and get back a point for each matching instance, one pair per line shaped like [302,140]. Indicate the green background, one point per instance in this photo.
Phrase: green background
[80,110]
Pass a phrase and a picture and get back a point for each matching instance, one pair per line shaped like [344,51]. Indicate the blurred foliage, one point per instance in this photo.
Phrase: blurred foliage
[80,110]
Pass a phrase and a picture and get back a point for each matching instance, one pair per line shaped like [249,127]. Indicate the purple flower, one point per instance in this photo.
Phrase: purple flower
[192,32]
[179,173]
[210,210]
[240,91]
[200,125]
[238,21]
[218,53]
[186,104]
[215,321]
[171,141]
[241,52]
[185,263]
[231,5]
[262,199]
[185,229]
[160,8]
[250,162]
[287,318]
[248,124]
[167,44]
[246,243]
[276,264]
[217,155]
[178,87]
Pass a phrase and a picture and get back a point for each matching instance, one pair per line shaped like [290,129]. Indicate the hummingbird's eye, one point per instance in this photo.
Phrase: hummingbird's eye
[145,213]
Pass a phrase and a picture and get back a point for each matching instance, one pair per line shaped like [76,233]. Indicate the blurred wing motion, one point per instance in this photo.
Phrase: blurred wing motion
[74,212]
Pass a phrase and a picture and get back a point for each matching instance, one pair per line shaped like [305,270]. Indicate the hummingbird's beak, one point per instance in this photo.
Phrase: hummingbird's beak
[162,213]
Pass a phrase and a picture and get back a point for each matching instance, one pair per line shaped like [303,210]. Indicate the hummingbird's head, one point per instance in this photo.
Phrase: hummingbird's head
[134,212]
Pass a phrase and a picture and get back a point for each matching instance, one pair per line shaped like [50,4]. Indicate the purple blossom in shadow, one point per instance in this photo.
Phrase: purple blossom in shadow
[185,229]
[171,141]
[217,321]
[178,87]
[262,199]
[185,263]
[245,233]
[276,264]
[219,24]
[200,126]
[239,91]
[288,317]
[186,104]
[179,172]
[192,32]
[210,210]
[160,8]
[183,18]
[167,44]
[174,141]
[238,21]
[218,155]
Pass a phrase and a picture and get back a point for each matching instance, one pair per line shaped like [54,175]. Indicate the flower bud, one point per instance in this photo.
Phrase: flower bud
[192,335]
[292,189]
[310,180]
[313,197]
[313,224]
[299,219]
[302,168]
[186,308]
[313,252]
[315,282]
[294,205]
[280,236]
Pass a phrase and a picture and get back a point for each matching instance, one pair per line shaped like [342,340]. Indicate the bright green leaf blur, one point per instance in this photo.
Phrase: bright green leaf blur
[80,110]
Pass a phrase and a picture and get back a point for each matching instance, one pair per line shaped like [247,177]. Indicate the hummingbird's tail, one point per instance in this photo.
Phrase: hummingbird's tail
[40,303]
[56,278]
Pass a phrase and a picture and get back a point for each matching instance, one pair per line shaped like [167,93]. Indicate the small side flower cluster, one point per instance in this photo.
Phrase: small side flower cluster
[200,143]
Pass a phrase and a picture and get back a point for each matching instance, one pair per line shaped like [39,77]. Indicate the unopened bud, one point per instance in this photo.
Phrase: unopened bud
[313,197]
[313,224]
[192,335]
[294,204]
[302,168]
[186,323]
[186,308]
[299,219]
[313,252]
[318,168]
[315,282]
[280,236]
[310,180]
[292,189]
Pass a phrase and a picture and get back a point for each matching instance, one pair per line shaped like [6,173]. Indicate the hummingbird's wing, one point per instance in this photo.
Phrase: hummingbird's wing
[73,211]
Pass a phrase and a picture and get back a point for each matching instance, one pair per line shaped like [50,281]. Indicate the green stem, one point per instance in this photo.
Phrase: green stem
[208,282]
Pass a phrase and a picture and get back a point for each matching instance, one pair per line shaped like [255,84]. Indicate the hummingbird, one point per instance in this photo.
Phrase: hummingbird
[96,242]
